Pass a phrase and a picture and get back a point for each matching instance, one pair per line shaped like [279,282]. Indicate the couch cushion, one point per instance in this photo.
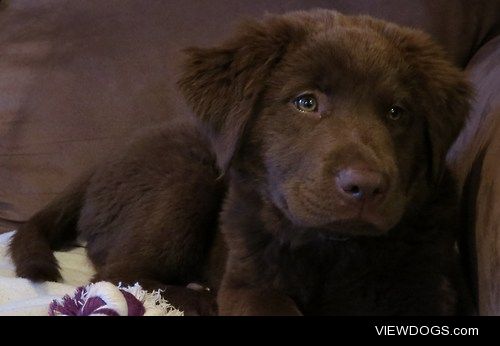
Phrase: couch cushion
[77,77]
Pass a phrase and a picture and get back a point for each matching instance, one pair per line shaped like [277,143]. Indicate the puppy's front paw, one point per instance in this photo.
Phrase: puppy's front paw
[194,302]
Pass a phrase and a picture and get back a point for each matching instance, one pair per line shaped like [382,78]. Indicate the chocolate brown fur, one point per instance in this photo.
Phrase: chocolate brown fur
[291,238]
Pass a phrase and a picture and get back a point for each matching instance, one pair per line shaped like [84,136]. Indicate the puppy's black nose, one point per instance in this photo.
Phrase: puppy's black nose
[361,185]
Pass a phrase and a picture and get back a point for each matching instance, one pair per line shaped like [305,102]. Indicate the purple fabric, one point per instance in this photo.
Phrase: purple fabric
[135,307]
[69,306]
[94,305]
[79,306]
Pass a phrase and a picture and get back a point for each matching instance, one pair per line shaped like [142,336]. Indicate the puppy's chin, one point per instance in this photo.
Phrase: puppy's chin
[351,228]
[334,232]
[336,226]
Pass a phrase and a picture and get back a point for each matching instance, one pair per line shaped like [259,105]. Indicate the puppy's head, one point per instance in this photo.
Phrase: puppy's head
[343,121]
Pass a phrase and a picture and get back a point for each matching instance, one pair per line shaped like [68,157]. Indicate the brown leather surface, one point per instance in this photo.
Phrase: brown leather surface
[77,77]
[475,159]
[487,226]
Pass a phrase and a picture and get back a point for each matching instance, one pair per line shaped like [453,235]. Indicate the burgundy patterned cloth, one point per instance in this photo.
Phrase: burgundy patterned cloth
[82,304]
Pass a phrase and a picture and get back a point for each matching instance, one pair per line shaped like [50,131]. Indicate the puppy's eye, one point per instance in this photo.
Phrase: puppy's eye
[306,103]
[395,113]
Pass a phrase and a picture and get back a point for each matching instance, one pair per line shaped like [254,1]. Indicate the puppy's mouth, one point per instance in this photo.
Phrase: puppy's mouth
[339,224]
[346,228]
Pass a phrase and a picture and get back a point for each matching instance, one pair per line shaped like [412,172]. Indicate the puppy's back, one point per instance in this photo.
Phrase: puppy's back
[149,207]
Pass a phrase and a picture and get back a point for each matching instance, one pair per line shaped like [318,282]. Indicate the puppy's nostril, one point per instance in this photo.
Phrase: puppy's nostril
[354,191]
[361,184]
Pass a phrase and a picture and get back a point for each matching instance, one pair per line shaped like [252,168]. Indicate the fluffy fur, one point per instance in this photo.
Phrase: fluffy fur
[291,238]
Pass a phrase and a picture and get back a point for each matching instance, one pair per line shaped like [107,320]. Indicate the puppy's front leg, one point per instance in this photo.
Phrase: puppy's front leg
[255,302]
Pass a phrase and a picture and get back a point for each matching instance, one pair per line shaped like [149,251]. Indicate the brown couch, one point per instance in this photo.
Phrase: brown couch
[78,77]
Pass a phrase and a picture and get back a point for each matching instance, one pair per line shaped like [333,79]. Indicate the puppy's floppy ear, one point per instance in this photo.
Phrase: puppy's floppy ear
[222,84]
[442,89]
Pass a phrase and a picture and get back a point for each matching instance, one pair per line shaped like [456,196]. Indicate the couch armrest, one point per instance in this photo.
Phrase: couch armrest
[474,159]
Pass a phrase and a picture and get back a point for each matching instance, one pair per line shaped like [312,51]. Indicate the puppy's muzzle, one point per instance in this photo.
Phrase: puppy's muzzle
[361,187]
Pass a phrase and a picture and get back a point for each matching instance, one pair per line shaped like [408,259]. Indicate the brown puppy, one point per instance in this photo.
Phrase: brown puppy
[332,132]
